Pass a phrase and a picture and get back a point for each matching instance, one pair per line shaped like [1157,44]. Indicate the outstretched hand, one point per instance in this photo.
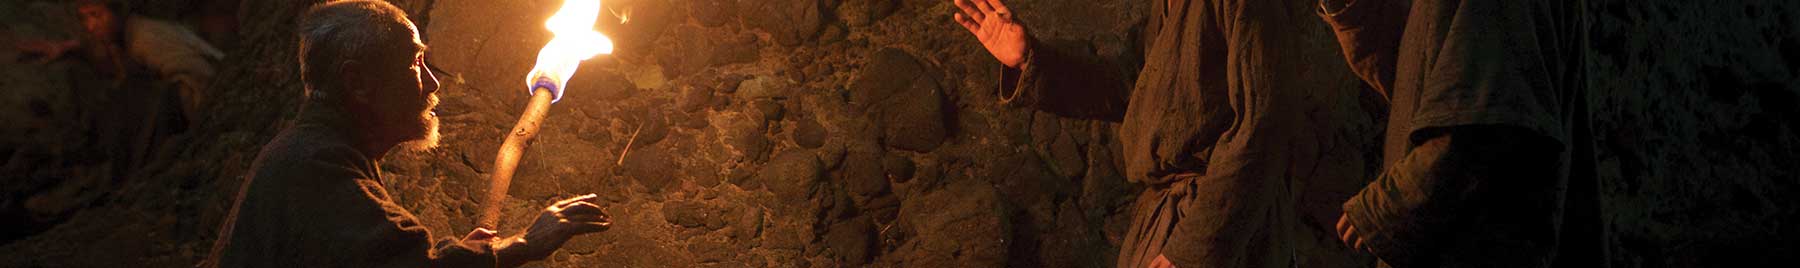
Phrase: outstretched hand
[993,24]
[556,225]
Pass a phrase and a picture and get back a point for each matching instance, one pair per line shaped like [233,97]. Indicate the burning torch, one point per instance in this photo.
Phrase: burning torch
[575,40]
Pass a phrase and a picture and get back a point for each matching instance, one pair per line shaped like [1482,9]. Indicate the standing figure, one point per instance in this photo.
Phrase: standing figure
[1247,138]
[1489,160]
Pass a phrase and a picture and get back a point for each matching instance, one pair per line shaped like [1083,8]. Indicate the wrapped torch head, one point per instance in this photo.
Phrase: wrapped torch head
[552,77]
[575,41]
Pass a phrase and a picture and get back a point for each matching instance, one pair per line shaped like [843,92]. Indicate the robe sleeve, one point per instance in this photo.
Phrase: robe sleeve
[452,253]
[1452,173]
[1064,81]
[1368,31]
[411,242]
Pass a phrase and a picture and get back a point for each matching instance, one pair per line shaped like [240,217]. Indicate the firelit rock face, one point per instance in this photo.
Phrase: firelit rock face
[906,103]
[809,134]
[852,240]
[963,225]
[864,12]
[792,175]
[789,22]
[899,155]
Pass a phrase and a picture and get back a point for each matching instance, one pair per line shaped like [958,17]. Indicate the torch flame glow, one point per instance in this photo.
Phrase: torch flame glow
[575,41]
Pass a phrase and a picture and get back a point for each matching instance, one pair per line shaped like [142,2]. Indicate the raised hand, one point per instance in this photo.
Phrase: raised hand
[556,225]
[993,24]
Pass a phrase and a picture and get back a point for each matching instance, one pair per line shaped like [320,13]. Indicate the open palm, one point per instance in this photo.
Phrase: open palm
[993,24]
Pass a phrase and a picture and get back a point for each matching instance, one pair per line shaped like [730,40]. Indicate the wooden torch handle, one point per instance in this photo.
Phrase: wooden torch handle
[507,160]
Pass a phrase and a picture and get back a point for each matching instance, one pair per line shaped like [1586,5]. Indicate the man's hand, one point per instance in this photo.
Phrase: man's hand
[992,23]
[1161,261]
[480,235]
[47,50]
[556,225]
[1347,233]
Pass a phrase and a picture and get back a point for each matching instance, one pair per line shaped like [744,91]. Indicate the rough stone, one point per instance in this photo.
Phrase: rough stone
[904,101]
[767,109]
[864,12]
[792,175]
[713,13]
[1025,182]
[833,33]
[1064,156]
[765,87]
[746,139]
[734,49]
[963,225]
[703,177]
[863,175]
[651,166]
[688,52]
[899,168]
[693,98]
[808,133]
[788,235]
[746,223]
[719,217]
[711,251]
[789,22]
[650,129]
[853,240]
[688,214]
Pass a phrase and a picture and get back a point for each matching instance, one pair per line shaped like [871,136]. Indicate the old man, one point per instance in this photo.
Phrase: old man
[314,197]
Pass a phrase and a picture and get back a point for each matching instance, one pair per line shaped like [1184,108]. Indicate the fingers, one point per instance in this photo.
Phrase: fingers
[587,219]
[480,234]
[969,11]
[967,23]
[590,198]
[1359,245]
[582,208]
[1348,236]
[1342,222]
[592,227]
[999,9]
[1161,261]
[983,6]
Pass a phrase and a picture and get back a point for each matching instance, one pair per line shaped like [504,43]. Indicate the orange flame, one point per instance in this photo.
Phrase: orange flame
[575,41]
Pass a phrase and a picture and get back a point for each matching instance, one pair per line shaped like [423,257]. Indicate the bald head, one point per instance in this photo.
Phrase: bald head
[341,36]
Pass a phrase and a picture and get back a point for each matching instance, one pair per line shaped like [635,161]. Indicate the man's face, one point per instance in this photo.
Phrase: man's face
[98,20]
[414,95]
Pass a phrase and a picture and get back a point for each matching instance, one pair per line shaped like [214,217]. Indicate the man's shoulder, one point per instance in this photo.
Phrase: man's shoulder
[306,151]
[166,39]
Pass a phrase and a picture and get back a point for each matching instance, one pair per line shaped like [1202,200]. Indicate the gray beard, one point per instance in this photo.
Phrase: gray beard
[428,122]
[429,140]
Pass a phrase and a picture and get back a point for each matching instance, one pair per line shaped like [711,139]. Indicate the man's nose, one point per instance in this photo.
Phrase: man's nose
[431,82]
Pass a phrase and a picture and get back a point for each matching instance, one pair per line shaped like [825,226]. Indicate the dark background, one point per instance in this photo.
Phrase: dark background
[800,133]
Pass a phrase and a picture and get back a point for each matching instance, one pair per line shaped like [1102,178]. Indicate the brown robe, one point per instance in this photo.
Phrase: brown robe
[312,200]
[1243,120]
[1489,160]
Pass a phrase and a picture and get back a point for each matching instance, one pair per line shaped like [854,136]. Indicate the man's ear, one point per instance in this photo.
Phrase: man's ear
[350,81]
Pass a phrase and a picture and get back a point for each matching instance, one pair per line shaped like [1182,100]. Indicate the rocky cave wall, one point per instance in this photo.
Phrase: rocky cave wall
[775,133]
[800,133]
